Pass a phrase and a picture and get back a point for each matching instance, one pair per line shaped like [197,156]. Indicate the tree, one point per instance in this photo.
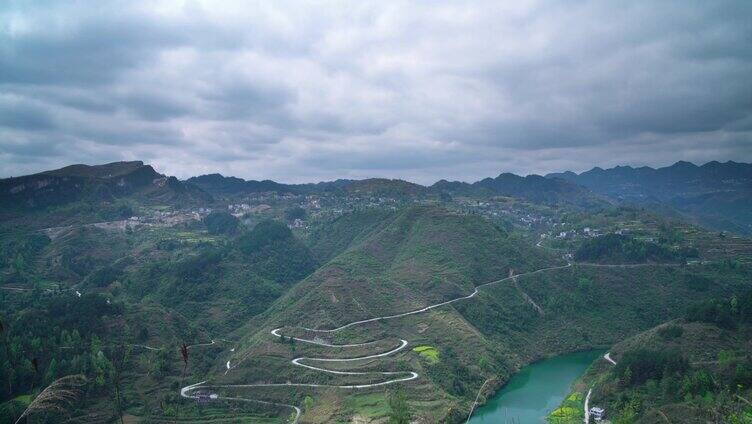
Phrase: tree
[51,374]
[307,403]
[221,223]
[119,358]
[400,410]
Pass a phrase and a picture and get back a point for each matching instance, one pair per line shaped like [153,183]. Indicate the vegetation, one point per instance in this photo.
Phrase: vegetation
[638,366]
[221,223]
[142,291]
[570,411]
[725,313]
[616,248]
[429,353]
[399,410]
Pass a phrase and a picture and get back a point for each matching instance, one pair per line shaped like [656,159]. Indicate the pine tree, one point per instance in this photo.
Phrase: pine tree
[400,410]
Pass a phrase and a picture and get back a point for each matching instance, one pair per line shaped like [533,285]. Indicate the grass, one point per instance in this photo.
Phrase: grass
[371,405]
[570,410]
[429,353]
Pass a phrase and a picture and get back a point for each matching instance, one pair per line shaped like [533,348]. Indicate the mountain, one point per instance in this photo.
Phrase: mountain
[413,258]
[96,183]
[534,188]
[425,255]
[717,195]
[220,185]
[377,187]
[426,269]
[231,281]
[342,232]
[420,256]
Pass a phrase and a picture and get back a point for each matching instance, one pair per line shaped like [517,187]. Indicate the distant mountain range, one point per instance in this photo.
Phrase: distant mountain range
[717,195]
[533,188]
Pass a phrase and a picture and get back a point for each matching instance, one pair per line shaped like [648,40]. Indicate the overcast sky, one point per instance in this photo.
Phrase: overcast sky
[420,90]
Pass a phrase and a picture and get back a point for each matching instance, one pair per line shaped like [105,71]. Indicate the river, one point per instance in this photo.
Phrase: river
[535,391]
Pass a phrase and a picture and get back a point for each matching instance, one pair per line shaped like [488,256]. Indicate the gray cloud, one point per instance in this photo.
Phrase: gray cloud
[416,90]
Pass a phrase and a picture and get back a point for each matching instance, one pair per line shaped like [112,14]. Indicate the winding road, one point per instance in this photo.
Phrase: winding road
[391,377]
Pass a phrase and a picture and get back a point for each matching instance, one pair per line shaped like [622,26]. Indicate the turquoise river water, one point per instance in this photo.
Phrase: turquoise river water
[535,391]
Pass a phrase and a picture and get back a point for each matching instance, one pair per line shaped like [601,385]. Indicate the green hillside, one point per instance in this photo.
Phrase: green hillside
[423,255]
[427,255]
[228,282]
[677,372]
[336,235]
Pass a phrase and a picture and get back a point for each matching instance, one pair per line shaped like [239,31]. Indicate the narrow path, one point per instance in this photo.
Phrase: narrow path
[475,402]
[587,406]
[607,357]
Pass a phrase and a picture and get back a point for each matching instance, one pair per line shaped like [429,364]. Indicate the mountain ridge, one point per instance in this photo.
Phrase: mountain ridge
[106,182]
[717,195]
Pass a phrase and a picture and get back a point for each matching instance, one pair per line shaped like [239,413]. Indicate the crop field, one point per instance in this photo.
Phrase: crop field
[429,353]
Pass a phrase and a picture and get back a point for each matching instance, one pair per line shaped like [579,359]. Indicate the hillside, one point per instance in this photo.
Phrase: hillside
[424,256]
[335,236]
[718,195]
[694,369]
[217,184]
[230,282]
[442,313]
[533,188]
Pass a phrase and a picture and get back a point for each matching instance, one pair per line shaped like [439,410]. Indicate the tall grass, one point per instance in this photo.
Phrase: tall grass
[56,398]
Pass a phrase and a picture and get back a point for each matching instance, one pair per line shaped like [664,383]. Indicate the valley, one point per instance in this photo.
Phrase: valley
[215,299]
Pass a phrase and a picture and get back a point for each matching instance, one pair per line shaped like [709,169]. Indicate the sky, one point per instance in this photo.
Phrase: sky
[418,90]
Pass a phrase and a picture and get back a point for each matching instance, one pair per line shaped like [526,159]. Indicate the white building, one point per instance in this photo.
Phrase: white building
[597,413]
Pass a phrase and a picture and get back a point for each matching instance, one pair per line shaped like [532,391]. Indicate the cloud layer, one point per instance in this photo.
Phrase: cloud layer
[298,91]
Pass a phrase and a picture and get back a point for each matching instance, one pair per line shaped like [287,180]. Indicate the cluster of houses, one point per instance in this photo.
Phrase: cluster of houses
[587,232]
[524,218]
